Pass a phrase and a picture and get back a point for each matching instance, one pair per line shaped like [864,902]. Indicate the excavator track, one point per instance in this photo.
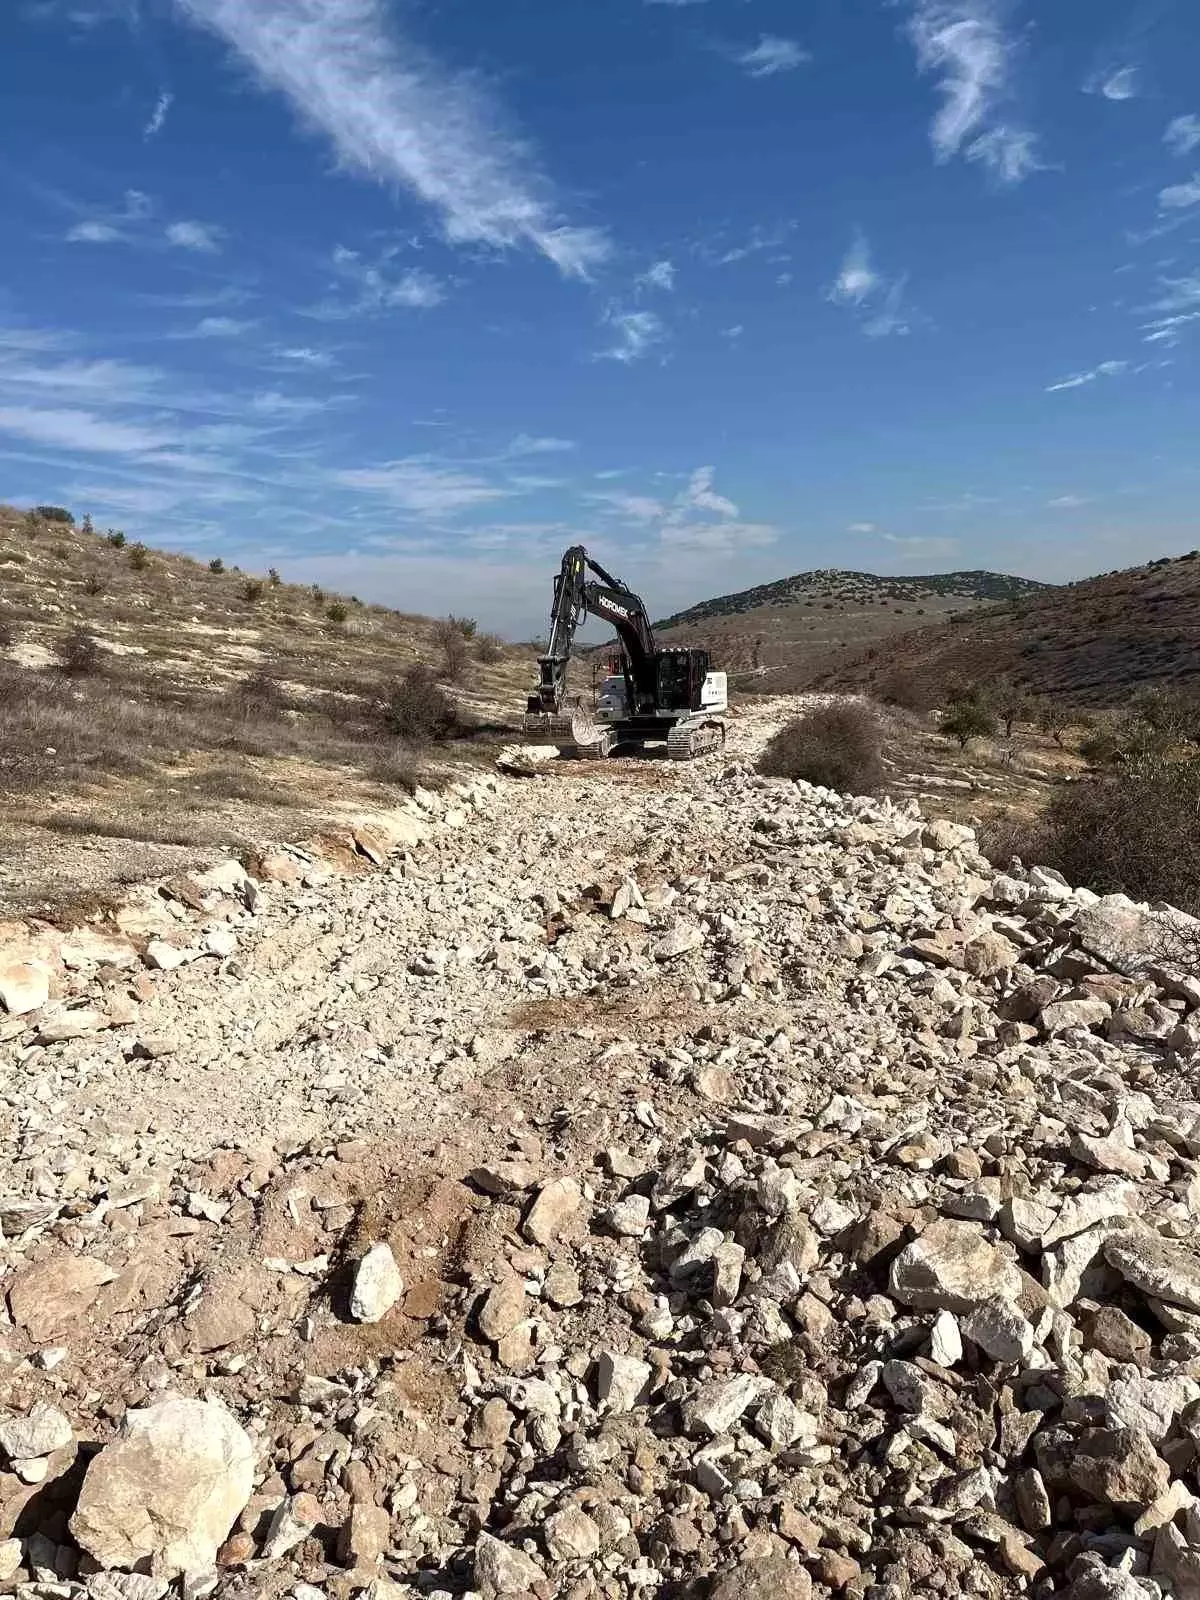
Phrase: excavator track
[689,743]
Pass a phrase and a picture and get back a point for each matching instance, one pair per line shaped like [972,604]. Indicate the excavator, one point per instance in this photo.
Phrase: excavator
[655,696]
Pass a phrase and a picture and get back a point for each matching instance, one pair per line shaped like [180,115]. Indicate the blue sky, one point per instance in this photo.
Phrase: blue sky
[405,295]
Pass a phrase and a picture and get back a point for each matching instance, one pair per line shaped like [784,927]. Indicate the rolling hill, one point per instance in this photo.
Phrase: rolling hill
[799,627]
[1092,643]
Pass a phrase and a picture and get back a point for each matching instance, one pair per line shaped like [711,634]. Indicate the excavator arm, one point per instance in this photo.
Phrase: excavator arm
[576,596]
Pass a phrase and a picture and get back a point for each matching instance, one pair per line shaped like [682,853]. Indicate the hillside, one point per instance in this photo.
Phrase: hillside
[798,627]
[151,707]
[1092,643]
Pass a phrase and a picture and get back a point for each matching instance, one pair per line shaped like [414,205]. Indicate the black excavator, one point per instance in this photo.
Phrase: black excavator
[656,696]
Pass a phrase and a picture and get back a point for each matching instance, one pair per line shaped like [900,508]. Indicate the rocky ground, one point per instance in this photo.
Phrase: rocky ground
[624,1181]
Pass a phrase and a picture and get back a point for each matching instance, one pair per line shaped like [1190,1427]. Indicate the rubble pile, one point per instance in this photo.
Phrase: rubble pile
[826,1226]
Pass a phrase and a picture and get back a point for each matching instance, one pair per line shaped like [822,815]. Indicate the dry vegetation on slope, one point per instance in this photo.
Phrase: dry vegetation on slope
[803,626]
[152,707]
[1092,643]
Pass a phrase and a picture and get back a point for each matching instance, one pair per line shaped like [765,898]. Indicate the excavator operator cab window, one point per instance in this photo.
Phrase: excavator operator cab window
[681,675]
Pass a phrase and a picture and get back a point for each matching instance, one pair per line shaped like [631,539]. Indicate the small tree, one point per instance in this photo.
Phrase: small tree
[55,514]
[115,538]
[337,612]
[489,648]
[273,578]
[968,719]
[318,595]
[216,565]
[467,626]
[139,557]
[87,524]
[453,644]
[79,655]
[1011,703]
[1052,719]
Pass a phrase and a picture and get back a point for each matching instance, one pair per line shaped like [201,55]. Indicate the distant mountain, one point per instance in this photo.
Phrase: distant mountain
[1091,643]
[800,627]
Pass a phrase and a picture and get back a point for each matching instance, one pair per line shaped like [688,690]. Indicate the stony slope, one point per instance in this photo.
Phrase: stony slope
[1092,643]
[762,1199]
[802,626]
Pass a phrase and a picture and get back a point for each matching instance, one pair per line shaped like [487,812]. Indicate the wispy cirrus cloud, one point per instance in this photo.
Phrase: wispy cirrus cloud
[83,431]
[392,112]
[1079,380]
[964,43]
[1177,308]
[636,334]
[1182,135]
[217,328]
[199,236]
[661,275]
[425,486]
[366,288]
[527,444]
[771,55]
[878,301]
[1180,196]
[158,116]
[1114,83]
[305,356]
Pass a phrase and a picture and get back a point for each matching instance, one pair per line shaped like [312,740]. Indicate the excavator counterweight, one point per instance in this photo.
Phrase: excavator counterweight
[658,696]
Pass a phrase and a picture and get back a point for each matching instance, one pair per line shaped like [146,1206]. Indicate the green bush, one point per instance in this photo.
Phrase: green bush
[836,746]
[216,565]
[87,524]
[115,538]
[139,557]
[337,612]
[55,514]
[419,710]
[79,656]
[273,578]
[968,719]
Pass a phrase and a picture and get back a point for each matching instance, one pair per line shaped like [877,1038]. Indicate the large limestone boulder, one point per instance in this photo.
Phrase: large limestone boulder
[168,1490]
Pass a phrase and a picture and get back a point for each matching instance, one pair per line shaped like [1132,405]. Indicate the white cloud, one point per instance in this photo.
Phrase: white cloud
[633,507]
[861,527]
[636,333]
[424,486]
[374,290]
[717,538]
[303,356]
[199,236]
[1119,83]
[1179,196]
[1068,502]
[857,280]
[392,112]
[1106,369]
[159,115]
[879,300]
[771,55]
[526,444]
[217,328]
[964,43]
[660,276]
[700,495]
[81,430]
[94,233]
[1182,135]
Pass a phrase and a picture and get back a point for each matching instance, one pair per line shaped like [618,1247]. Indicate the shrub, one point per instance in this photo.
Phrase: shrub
[139,557]
[253,590]
[419,709]
[452,642]
[489,648]
[1051,718]
[54,514]
[337,612]
[318,595]
[467,626]
[258,694]
[968,719]
[1010,702]
[216,565]
[79,656]
[115,538]
[908,689]
[93,584]
[87,524]
[1135,833]
[400,765]
[1008,834]
[836,746]
[273,578]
